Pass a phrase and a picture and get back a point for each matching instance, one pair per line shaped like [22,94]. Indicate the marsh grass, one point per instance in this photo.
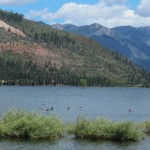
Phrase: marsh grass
[70,128]
[22,124]
[144,126]
[107,130]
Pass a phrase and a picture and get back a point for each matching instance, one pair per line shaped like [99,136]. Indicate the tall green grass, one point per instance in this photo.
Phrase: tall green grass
[144,126]
[22,124]
[104,129]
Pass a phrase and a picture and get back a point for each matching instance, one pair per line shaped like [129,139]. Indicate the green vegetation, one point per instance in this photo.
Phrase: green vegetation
[103,129]
[69,58]
[11,16]
[83,82]
[144,126]
[17,70]
[21,124]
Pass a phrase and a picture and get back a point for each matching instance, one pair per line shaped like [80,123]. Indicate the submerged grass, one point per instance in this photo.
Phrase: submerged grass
[22,124]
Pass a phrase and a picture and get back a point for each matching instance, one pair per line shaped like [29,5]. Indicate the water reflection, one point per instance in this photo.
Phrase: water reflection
[71,143]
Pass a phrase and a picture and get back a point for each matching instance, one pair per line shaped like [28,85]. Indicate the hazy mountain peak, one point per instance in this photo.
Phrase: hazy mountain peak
[69,25]
[145,27]
[57,26]
[96,25]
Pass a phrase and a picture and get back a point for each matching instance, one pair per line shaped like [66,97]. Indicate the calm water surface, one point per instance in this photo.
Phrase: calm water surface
[92,102]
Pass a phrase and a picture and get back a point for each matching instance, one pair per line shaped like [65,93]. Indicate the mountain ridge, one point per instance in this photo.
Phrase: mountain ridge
[126,40]
[47,56]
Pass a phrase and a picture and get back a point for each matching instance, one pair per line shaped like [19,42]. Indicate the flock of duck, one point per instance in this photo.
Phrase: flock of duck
[52,108]
[68,108]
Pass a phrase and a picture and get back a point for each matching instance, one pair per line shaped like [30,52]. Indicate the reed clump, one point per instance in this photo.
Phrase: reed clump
[22,124]
[144,126]
[107,130]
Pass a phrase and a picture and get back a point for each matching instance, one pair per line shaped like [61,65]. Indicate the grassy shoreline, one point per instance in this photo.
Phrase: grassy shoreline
[64,85]
[23,124]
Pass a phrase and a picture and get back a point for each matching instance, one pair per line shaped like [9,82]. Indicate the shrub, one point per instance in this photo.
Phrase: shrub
[83,82]
[22,124]
[70,128]
[126,131]
[144,126]
[104,129]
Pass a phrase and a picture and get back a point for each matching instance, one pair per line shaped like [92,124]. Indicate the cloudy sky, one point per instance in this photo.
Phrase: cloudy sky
[110,13]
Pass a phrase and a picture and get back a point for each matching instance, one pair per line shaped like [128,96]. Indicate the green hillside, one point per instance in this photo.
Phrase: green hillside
[47,56]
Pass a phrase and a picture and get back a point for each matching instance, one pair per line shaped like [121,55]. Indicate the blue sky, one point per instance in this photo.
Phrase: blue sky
[53,5]
[109,13]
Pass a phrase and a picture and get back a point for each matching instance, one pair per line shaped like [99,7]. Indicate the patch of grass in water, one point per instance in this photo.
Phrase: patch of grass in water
[107,130]
[22,124]
[144,126]
[69,128]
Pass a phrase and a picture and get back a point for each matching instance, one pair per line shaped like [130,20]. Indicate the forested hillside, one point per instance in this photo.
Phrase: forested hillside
[45,56]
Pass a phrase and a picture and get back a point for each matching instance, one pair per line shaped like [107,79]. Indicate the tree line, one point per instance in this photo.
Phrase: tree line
[10,16]
[22,72]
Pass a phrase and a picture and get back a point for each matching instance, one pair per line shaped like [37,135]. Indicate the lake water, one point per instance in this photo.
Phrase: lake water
[91,102]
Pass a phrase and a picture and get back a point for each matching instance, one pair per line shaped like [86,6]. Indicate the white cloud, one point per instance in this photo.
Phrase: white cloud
[113,2]
[44,14]
[144,8]
[15,2]
[108,14]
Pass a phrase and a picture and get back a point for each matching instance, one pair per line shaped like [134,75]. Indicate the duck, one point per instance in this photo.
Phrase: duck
[129,110]
[47,109]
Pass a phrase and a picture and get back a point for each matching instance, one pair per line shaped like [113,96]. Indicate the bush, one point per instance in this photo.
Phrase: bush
[144,126]
[104,129]
[22,124]
[70,128]
[126,131]
[83,82]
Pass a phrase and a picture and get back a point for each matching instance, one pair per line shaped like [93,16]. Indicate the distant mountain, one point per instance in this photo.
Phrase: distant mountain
[133,43]
[42,23]
[33,53]
[141,36]
[145,30]
[88,30]
[139,43]
[57,26]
